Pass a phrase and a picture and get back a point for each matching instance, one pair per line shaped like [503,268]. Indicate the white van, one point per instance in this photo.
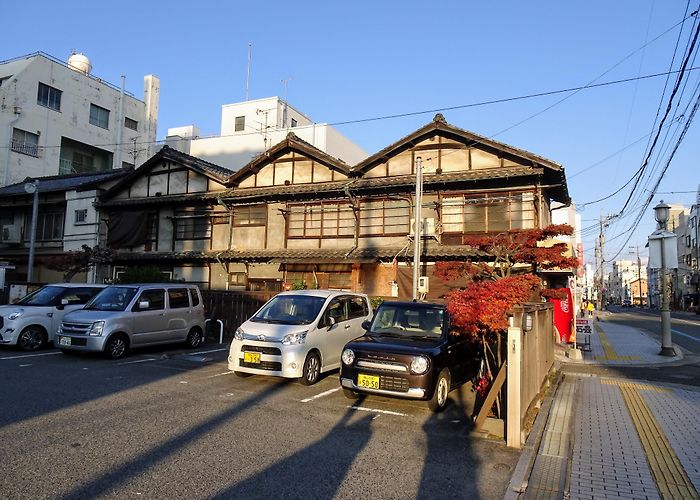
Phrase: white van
[299,334]
[32,322]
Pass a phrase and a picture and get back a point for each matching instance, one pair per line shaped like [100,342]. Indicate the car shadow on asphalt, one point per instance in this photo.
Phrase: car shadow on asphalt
[316,471]
[119,475]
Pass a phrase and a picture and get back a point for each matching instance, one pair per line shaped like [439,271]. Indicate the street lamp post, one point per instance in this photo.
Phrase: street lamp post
[32,188]
[661,213]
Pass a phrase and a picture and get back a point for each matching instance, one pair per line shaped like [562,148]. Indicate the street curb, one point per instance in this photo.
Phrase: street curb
[521,474]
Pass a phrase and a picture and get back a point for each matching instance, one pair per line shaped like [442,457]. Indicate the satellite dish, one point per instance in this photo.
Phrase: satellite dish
[30,187]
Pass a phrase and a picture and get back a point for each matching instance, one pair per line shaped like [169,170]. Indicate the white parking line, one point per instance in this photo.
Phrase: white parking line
[374,410]
[326,393]
[221,374]
[24,366]
[138,361]
[31,355]
[207,352]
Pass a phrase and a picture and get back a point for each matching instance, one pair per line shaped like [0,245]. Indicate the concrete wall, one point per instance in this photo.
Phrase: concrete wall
[72,121]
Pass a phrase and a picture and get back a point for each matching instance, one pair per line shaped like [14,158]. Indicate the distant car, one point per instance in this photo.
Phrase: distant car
[408,352]
[627,303]
[32,322]
[298,334]
[122,317]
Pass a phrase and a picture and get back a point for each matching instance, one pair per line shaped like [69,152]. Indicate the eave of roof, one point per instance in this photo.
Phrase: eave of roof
[207,197]
[68,182]
[367,184]
[299,255]
[212,171]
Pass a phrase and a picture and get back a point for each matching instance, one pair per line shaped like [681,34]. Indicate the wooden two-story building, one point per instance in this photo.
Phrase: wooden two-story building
[295,216]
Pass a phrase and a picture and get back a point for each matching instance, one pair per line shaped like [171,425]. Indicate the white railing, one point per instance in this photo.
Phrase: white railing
[25,148]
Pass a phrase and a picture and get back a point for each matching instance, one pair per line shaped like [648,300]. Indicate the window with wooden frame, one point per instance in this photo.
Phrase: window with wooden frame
[385,217]
[192,226]
[49,226]
[151,243]
[252,215]
[325,220]
[488,212]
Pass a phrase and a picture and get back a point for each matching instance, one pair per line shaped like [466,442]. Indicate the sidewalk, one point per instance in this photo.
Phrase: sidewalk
[613,437]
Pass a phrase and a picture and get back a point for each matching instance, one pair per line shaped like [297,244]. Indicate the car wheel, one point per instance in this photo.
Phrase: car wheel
[350,394]
[32,338]
[116,346]
[311,370]
[442,389]
[194,338]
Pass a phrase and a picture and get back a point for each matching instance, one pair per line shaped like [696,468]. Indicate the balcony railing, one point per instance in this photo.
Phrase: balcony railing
[74,167]
[25,148]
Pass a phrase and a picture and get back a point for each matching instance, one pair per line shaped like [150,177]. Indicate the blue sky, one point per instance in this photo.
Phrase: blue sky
[361,59]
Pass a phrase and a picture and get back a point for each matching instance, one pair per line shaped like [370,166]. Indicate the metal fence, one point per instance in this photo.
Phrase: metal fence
[233,308]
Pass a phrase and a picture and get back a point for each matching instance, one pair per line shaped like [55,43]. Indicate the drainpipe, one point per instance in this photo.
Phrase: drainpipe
[120,128]
[355,209]
[6,174]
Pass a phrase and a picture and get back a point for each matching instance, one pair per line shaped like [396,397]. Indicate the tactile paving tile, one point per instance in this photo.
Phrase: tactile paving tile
[678,414]
[608,460]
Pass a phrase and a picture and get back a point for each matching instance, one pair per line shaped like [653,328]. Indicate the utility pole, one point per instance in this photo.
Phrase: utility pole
[417,225]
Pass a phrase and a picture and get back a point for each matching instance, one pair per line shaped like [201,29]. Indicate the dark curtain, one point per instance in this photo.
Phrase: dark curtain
[127,229]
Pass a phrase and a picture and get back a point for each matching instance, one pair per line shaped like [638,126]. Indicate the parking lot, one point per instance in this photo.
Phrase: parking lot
[175,423]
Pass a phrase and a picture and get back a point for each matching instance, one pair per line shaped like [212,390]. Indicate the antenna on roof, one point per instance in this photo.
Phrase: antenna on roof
[247,75]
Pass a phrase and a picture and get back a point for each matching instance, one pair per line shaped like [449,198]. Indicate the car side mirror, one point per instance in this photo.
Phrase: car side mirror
[330,321]
[143,305]
[365,325]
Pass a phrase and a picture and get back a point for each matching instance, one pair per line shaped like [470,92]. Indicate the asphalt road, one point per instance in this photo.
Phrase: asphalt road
[685,333]
[172,424]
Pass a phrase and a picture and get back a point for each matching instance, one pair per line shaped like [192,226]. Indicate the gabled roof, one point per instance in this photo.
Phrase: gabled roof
[554,172]
[289,144]
[208,169]
[54,183]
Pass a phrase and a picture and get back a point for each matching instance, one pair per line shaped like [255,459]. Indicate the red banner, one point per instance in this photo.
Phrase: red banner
[564,317]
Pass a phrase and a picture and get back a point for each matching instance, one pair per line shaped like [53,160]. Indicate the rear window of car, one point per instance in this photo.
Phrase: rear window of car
[357,307]
[195,297]
[178,298]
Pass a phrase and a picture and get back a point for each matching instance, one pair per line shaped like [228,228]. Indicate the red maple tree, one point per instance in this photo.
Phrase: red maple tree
[504,277]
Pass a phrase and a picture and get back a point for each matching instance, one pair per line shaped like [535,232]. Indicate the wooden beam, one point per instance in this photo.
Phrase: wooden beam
[491,397]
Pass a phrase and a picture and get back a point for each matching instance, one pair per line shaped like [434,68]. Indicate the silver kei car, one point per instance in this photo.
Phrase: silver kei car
[298,334]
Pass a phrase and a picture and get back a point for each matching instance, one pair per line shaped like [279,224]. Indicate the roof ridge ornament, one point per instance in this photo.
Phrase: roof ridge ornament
[439,118]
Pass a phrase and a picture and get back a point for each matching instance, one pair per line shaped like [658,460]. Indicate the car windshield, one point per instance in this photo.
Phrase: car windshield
[113,298]
[44,296]
[408,321]
[290,310]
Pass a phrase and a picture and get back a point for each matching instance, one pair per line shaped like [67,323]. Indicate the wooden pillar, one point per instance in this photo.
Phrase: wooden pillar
[513,422]
[357,277]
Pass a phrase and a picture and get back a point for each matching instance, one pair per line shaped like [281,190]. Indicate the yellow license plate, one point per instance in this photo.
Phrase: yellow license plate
[367,381]
[251,357]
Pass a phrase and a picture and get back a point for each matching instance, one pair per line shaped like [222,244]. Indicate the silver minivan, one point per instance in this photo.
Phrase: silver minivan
[299,334]
[122,317]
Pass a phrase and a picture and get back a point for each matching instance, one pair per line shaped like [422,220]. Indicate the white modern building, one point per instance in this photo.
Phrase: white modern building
[250,128]
[624,274]
[58,118]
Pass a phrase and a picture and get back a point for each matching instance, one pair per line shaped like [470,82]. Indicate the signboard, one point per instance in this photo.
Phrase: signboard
[579,258]
[564,317]
[670,250]
[584,326]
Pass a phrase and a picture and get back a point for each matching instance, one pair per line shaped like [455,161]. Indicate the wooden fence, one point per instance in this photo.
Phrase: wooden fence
[530,347]
[233,308]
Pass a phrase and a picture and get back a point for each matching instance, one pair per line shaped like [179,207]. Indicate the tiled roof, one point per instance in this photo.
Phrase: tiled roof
[313,255]
[64,182]
[210,196]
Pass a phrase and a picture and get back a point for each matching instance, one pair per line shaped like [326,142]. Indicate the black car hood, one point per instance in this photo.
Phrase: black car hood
[398,345]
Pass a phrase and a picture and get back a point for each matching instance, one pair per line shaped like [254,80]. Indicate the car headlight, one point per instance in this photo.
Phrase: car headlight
[294,338]
[238,334]
[96,329]
[348,356]
[15,314]
[419,365]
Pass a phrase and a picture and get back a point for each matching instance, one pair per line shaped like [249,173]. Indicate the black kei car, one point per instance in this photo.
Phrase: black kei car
[407,351]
